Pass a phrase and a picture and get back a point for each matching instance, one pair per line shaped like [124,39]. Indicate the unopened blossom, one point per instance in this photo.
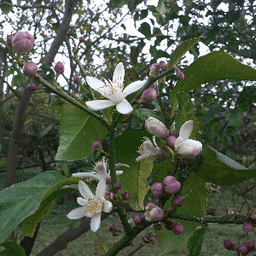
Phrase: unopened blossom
[32,87]
[153,213]
[157,188]
[22,42]
[157,68]
[9,40]
[242,248]
[59,69]
[96,145]
[247,227]
[169,180]
[148,149]
[76,79]
[179,75]
[125,196]
[148,96]
[114,91]
[137,219]
[171,141]
[250,245]
[252,216]
[177,228]
[185,146]
[172,188]
[177,201]
[91,205]
[30,69]
[157,128]
[229,245]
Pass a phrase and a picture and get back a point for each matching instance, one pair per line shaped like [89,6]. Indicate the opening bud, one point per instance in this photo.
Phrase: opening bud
[171,141]
[148,96]
[157,128]
[22,42]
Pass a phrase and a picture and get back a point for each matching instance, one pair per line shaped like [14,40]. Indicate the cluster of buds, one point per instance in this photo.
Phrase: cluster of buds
[148,96]
[242,248]
[157,68]
[153,213]
[113,229]
[248,226]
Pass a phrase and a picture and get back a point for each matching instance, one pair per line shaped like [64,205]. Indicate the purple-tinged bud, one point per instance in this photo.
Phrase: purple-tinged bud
[177,228]
[82,39]
[252,216]
[157,188]
[168,180]
[30,69]
[157,68]
[125,195]
[110,195]
[179,75]
[250,246]
[172,188]
[144,239]
[229,245]
[157,128]
[156,214]
[177,201]
[76,78]
[171,141]
[152,239]
[163,66]
[116,186]
[247,227]
[59,69]
[112,227]
[137,219]
[156,201]
[9,40]
[242,248]
[96,145]
[148,96]
[32,87]
[157,226]
[22,42]
[108,180]
[150,205]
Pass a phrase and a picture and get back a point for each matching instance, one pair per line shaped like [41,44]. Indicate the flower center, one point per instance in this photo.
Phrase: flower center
[93,205]
[114,91]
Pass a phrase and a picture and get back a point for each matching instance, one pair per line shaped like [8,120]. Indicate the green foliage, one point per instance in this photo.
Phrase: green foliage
[134,179]
[213,67]
[145,30]
[12,249]
[222,170]
[6,6]
[77,132]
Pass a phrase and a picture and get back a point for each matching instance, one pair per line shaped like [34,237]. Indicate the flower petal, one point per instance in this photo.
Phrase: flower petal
[95,222]
[118,173]
[96,84]
[77,213]
[85,175]
[118,76]
[96,105]
[101,188]
[133,87]
[186,129]
[84,190]
[82,201]
[107,206]
[124,107]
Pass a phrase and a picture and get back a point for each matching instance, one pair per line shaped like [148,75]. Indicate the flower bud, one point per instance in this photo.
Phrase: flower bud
[179,75]
[30,69]
[177,201]
[250,246]
[116,186]
[76,78]
[96,145]
[168,180]
[252,216]
[59,69]
[157,188]
[177,228]
[9,40]
[157,68]
[157,226]
[247,227]
[148,96]
[172,188]
[22,42]
[171,141]
[242,248]
[157,128]
[110,195]
[108,180]
[229,245]
[125,195]
[82,39]
[137,219]
[153,213]
[32,87]
[152,239]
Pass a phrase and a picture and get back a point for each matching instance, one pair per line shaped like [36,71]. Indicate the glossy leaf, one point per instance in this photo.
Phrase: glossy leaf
[213,67]
[145,30]
[77,132]
[222,170]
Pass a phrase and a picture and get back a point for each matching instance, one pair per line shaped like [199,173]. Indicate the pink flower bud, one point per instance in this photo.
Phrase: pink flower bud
[157,226]
[177,228]
[110,195]
[32,87]
[177,201]
[247,227]
[96,145]
[125,195]
[229,245]
[9,40]
[156,214]
[116,186]
[152,239]
[157,68]
[250,246]
[148,96]
[172,188]
[137,219]
[157,128]
[82,39]
[168,180]
[76,79]
[30,69]
[59,69]
[157,188]
[150,205]
[22,42]
[252,216]
[180,75]
[171,141]
[242,248]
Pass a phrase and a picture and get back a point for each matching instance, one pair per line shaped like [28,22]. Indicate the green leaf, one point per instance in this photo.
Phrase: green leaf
[6,6]
[8,72]
[13,249]
[196,240]
[143,113]
[181,50]
[23,199]
[103,245]
[145,30]
[134,179]
[213,67]
[222,170]
[46,204]
[16,80]
[167,240]
[77,132]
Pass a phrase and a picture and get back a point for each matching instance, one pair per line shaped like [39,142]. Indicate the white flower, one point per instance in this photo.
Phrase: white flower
[100,171]
[114,91]
[92,205]
[185,146]
[148,149]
